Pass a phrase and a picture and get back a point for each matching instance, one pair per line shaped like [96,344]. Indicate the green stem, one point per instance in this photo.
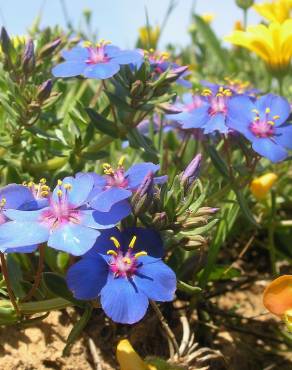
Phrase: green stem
[29,308]
[245,11]
[271,232]
[7,281]
[280,85]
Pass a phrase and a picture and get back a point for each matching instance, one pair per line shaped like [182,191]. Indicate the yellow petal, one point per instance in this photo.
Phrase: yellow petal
[277,297]
[260,186]
[129,359]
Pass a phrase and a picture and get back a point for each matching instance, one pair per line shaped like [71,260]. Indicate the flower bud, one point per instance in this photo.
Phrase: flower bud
[261,186]
[49,48]
[143,196]
[191,173]
[44,91]
[137,88]
[28,58]
[176,73]
[194,242]
[5,41]
[206,211]
[244,4]
[160,220]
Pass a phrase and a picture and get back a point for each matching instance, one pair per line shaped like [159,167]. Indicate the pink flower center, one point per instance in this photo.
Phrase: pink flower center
[97,54]
[60,211]
[115,177]
[196,103]
[124,264]
[263,128]
[218,102]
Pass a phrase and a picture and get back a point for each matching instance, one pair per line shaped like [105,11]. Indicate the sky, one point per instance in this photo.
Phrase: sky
[119,20]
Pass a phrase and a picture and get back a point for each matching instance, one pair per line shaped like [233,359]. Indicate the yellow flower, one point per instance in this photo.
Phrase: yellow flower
[129,359]
[17,41]
[238,26]
[208,17]
[272,43]
[277,299]
[275,10]
[148,37]
[262,185]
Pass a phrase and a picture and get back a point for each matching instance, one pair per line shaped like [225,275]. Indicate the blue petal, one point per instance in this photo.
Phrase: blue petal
[106,199]
[137,173]
[267,148]
[35,204]
[112,50]
[29,249]
[104,243]
[239,109]
[185,83]
[81,187]
[284,136]
[73,238]
[160,180]
[116,214]
[155,279]
[240,126]
[24,216]
[16,234]
[187,98]
[69,69]
[15,195]
[278,106]
[87,277]
[77,54]
[122,302]
[216,123]
[102,71]
[148,240]
[197,118]
[89,218]
[127,57]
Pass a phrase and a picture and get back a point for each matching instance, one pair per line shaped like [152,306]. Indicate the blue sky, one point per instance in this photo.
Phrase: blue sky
[118,20]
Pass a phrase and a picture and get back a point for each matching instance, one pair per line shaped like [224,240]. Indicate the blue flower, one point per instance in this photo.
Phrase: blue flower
[263,123]
[67,223]
[125,276]
[118,185]
[16,196]
[208,111]
[100,61]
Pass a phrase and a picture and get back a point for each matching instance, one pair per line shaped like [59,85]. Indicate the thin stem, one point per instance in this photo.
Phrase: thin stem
[112,107]
[167,329]
[7,281]
[38,275]
[271,232]
[245,18]
[280,85]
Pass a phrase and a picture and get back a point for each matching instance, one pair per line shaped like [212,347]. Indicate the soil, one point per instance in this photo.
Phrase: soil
[249,344]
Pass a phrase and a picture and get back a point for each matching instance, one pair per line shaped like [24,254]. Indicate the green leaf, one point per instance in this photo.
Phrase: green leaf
[189,289]
[101,123]
[244,206]
[211,41]
[77,329]
[94,156]
[137,140]
[224,273]
[57,285]
[15,276]
[218,162]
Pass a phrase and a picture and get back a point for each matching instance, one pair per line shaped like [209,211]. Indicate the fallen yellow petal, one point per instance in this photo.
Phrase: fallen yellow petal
[277,297]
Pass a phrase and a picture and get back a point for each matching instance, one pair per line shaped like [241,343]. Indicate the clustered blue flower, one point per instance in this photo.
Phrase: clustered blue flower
[262,120]
[79,217]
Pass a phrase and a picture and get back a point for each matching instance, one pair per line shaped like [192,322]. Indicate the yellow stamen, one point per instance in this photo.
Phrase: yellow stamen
[139,254]
[255,111]
[271,123]
[268,110]
[87,44]
[45,188]
[112,252]
[115,241]
[59,182]
[24,183]
[59,193]
[127,260]
[68,186]
[30,184]
[44,193]
[2,202]
[43,180]
[133,241]
[276,117]
[121,161]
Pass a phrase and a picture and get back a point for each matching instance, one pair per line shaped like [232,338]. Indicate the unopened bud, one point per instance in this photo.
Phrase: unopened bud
[244,4]
[206,211]
[137,88]
[175,73]
[28,58]
[168,108]
[44,91]
[143,195]
[5,41]
[191,173]
[160,220]
[194,243]
[49,48]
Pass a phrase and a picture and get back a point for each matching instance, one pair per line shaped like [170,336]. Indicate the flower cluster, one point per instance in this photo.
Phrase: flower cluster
[262,120]
[79,217]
